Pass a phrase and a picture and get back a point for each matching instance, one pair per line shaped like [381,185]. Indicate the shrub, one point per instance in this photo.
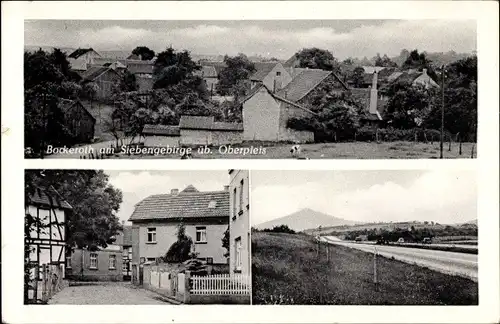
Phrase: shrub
[180,250]
[280,229]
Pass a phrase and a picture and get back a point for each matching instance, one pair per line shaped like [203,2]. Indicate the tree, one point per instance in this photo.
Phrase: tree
[358,77]
[180,250]
[225,242]
[89,91]
[144,53]
[233,79]
[316,58]
[172,68]
[384,61]
[92,222]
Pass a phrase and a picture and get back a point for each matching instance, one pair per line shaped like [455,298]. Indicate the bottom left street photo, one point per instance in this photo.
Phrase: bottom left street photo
[137,237]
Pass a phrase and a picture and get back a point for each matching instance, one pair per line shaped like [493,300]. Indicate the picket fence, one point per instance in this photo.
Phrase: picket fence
[221,284]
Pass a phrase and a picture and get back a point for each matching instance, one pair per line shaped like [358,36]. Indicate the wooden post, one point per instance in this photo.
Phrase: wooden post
[472,150]
[460,146]
[327,252]
[442,113]
[375,277]
[449,144]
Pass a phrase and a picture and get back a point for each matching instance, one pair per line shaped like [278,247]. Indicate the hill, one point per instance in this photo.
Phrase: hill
[305,219]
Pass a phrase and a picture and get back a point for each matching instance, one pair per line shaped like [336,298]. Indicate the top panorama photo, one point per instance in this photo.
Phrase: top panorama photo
[304,89]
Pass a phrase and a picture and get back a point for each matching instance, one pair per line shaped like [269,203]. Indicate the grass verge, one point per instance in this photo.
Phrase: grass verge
[287,270]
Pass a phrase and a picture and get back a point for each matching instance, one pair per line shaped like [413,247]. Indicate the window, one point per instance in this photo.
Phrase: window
[237,254]
[112,261]
[278,73]
[68,262]
[201,234]
[235,207]
[241,194]
[210,260]
[212,204]
[151,259]
[151,235]
[93,260]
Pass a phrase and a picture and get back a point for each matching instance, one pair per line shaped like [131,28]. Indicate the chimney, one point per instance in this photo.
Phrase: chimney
[226,188]
[374,94]
[174,191]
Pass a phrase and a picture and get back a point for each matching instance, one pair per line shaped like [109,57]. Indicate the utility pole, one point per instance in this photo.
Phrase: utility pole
[442,112]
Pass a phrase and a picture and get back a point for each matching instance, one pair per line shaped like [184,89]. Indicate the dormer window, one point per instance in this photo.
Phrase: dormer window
[278,73]
[212,204]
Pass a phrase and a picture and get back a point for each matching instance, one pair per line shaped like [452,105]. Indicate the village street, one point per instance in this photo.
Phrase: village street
[107,293]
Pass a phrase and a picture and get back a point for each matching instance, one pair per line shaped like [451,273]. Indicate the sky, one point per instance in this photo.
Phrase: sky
[137,185]
[273,38]
[442,196]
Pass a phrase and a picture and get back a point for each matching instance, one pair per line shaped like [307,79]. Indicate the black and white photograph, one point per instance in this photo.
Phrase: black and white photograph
[390,237]
[96,237]
[265,89]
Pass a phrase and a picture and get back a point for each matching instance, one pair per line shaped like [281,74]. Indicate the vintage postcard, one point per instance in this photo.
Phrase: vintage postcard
[392,108]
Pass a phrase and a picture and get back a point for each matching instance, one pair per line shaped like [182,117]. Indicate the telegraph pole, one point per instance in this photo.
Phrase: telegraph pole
[442,112]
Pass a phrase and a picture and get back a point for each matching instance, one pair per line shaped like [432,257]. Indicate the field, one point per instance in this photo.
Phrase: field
[287,270]
[347,150]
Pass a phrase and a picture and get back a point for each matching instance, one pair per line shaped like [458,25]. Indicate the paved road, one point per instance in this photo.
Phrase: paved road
[107,294]
[461,264]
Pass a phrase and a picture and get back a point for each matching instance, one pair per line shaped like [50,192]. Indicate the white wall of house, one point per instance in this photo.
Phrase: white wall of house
[161,140]
[83,62]
[261,114]
[239,223]
[195,137]
[166,236]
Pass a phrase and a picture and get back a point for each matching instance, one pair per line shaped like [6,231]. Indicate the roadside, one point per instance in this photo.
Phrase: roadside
[287,269]
[107,293]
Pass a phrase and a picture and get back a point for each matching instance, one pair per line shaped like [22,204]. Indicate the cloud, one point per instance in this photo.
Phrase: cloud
[212,38]
[440,196]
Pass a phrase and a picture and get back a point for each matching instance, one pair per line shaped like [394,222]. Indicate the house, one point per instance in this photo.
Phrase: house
[204,130]
[142,70]
[161,135]
[266,112]
[271,74]
[239,223]
[78,120]
[374,102]
[205,215]
[106,79]
[46,240]
[414,77]
[265,117]
[82,58]
[111,263]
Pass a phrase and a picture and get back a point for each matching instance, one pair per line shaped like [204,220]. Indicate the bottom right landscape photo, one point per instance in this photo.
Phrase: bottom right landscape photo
[358,237]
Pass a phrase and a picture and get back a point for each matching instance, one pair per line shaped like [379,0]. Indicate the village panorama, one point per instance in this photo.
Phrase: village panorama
[318,101]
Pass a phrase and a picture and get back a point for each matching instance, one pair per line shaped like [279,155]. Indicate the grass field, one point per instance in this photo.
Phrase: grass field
[287,270]
[348,150]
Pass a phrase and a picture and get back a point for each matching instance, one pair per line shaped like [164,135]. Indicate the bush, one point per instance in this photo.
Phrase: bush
[180,250]
[280,229]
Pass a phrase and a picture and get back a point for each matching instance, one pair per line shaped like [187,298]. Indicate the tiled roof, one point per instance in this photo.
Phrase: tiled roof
[49,197]
[275,96]
[196,122]
[66,104]
[79,52]
[303,83]
[93,72]
[188,203]
[168,130]
[222,126]
[207,72]
[138,67]
[262,70]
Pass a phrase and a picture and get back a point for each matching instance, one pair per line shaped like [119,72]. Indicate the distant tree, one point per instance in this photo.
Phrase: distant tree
[316,58]
[180,250]
[358,77]
[128,82]
[144,53]
[172,68]
[384,61]
[233,79]
[280,229]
